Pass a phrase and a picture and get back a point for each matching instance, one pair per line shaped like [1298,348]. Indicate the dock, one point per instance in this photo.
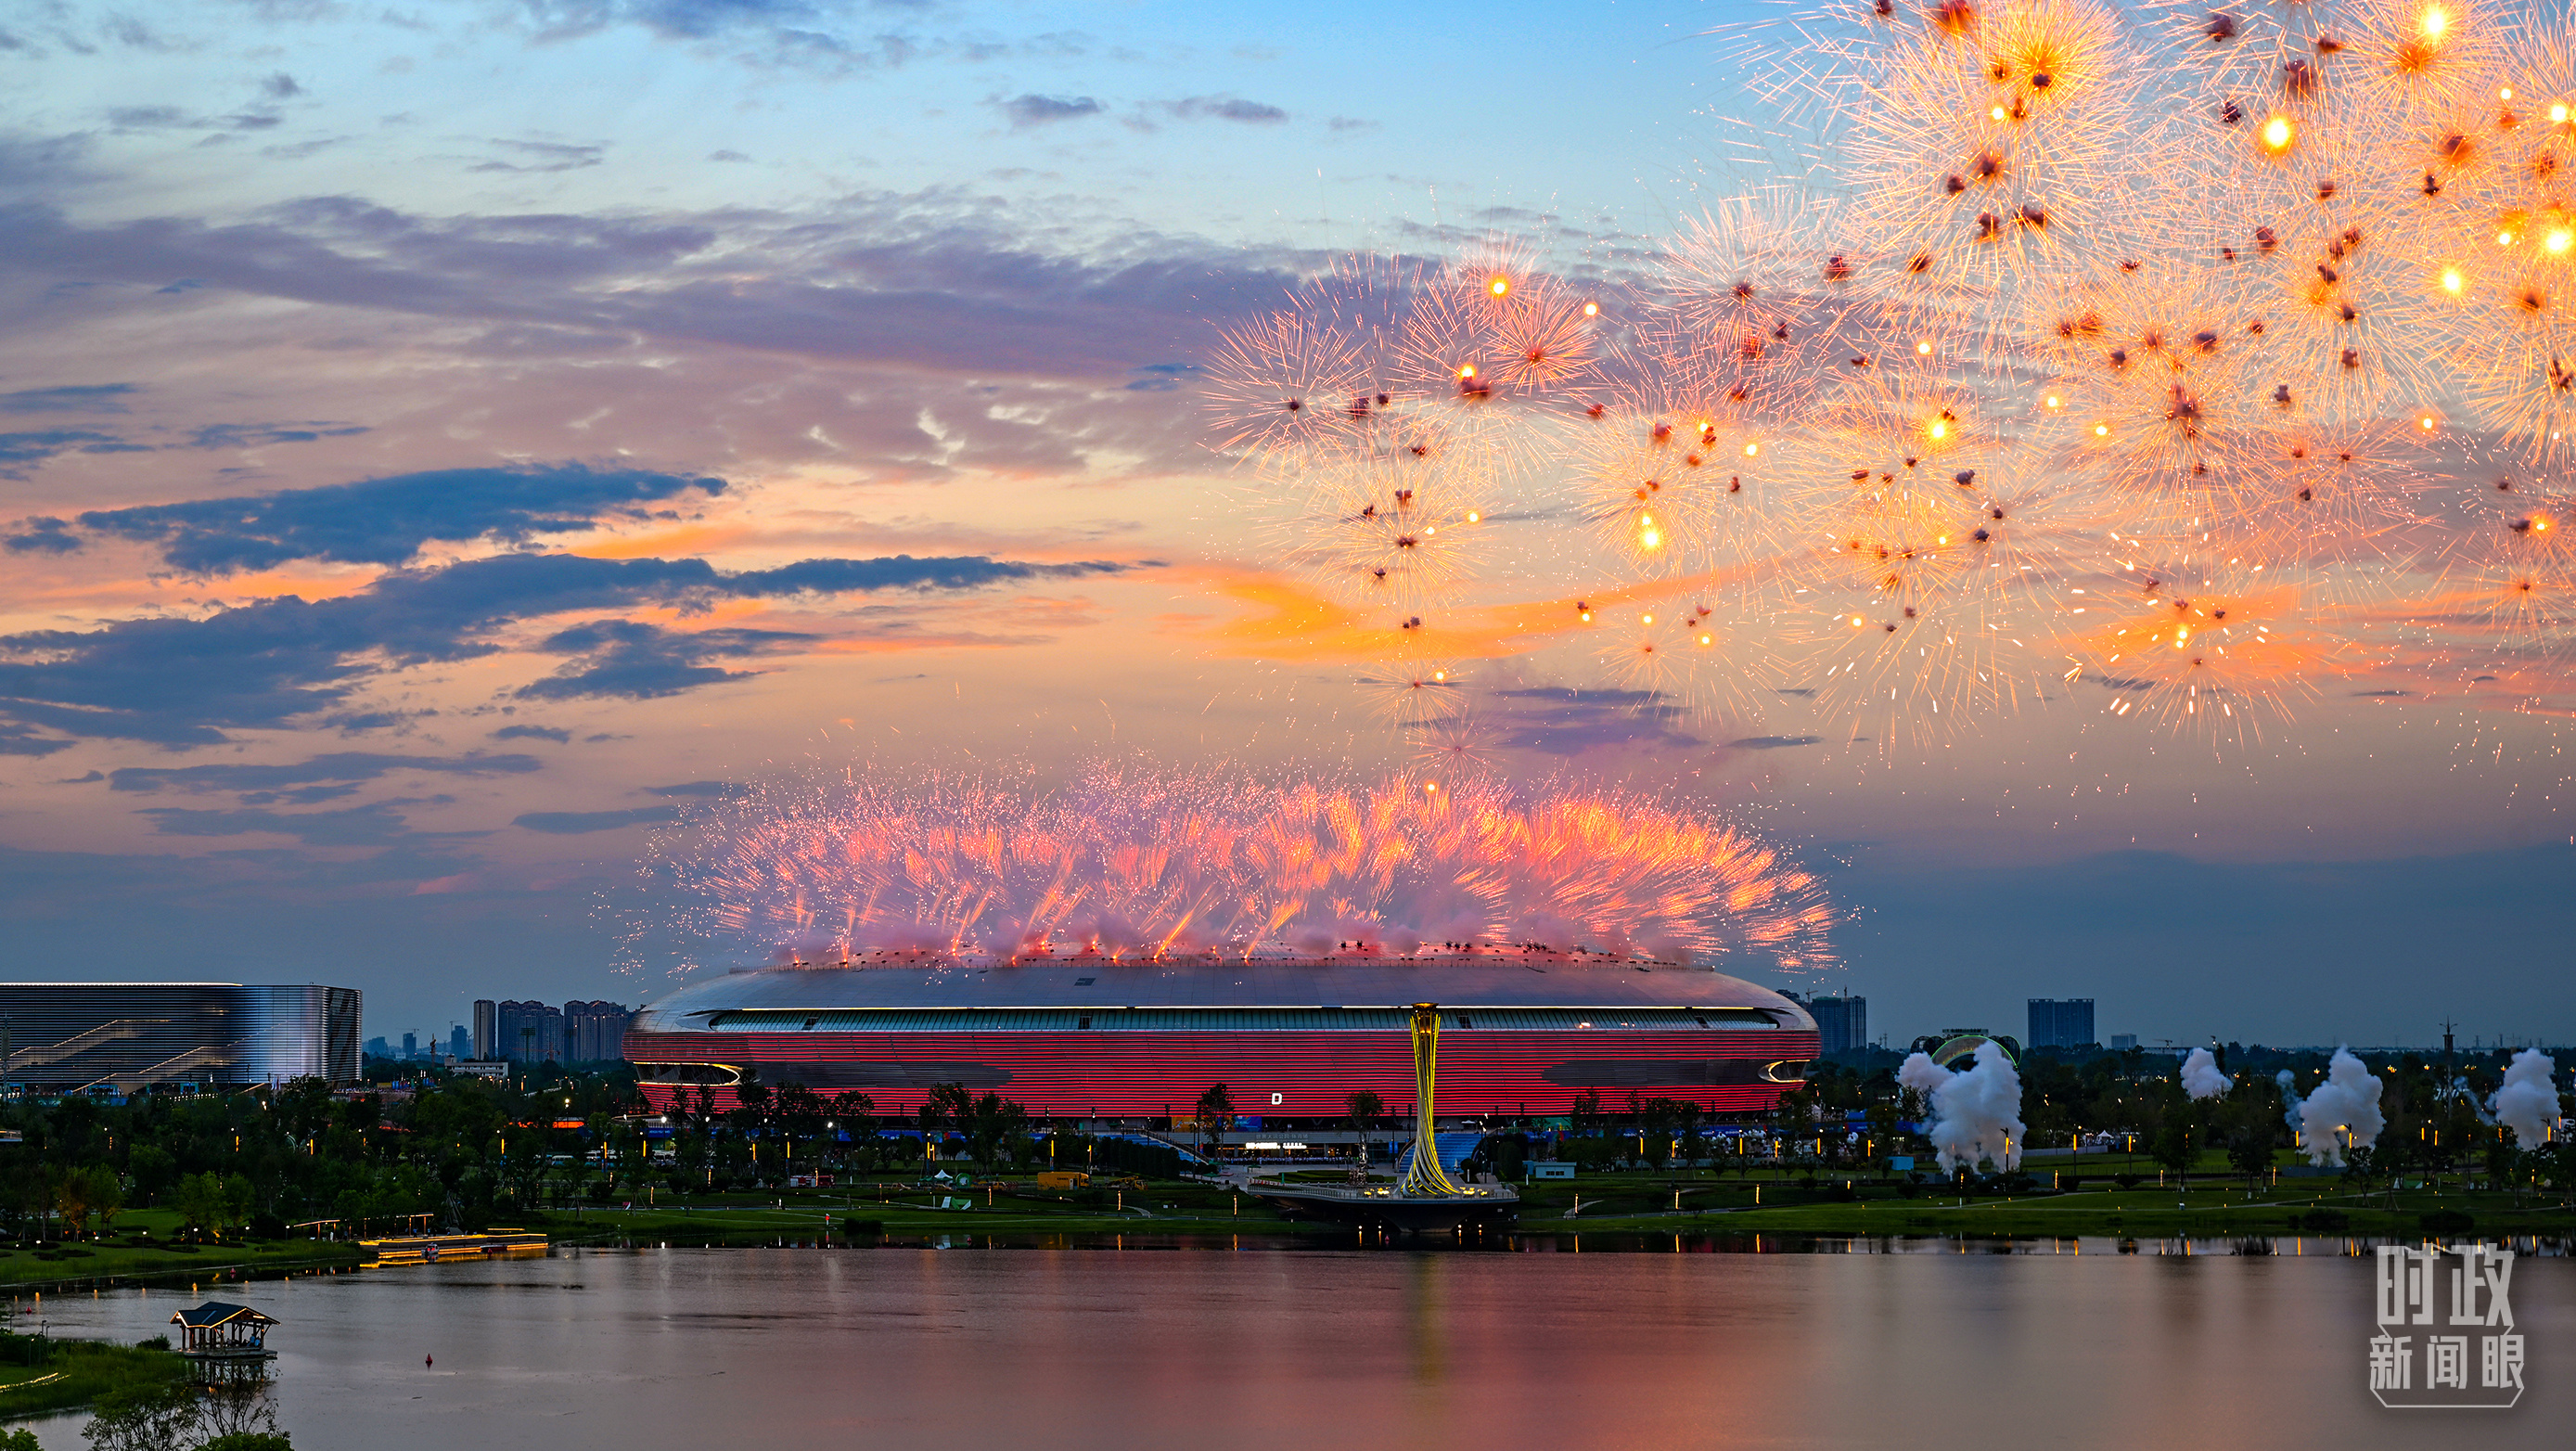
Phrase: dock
[432,1249]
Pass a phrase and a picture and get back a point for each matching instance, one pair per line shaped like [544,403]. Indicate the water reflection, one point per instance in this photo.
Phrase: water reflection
[1147,1343]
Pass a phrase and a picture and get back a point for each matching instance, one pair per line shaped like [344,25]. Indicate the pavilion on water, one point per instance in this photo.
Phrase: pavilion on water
[215,1328]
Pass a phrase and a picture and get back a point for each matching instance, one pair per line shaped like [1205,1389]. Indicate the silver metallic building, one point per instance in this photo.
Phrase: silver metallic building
[72,1037]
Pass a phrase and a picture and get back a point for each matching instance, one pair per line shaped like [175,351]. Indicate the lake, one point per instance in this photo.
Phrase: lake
[1923,1343]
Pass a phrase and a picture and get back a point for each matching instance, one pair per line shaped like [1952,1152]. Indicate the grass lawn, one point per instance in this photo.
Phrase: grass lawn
[79,1372]
[903,1210]
[1645,1201]
[2218,1204]
[124,1254]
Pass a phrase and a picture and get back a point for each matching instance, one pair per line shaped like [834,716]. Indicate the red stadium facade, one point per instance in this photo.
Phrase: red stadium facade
[1292,1036]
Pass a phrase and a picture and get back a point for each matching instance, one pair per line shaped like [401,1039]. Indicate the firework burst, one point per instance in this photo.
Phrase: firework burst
[2206,647]
[1132,863]
[1999,291]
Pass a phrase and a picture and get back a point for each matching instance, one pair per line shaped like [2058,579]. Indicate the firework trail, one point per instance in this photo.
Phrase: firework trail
[2514,570]
[1134,863]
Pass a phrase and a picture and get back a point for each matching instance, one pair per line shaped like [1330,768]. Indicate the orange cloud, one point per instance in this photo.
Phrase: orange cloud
[683,540]
[1281,618]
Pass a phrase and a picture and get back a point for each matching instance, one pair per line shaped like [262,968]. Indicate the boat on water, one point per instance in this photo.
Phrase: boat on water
[431,1249]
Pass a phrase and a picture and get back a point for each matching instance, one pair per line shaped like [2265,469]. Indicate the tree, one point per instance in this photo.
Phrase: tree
[154,1168]
[855,1114]
[27,1190]
[1216,1113]
[1591,1152]
[1365,1109]
[240,1423]
[209,1204]
[2249,1151]
[71,1200]
[199,1198]
[1586,1118]
[993,1122]
[162,1417]
[949,1105]
[1796,1116]
[1884,1118]
[800,1112]
[2249,1121]
[1659,1124]
[755,1099]
[173,1417]
[2176,1145]
[106,1195]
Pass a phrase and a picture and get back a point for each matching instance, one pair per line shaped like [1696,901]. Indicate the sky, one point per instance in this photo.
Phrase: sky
[440,442]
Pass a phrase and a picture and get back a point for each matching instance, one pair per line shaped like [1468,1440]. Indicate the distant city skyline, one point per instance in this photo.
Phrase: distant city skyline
[579,1031]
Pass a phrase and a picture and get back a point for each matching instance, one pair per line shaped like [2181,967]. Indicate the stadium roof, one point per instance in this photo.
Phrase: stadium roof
[1483,977]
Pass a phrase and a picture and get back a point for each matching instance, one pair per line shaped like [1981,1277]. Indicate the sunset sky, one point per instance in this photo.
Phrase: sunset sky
[437,442]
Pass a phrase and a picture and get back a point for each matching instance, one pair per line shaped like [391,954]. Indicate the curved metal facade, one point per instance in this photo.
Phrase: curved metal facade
[72,1037]
[1292,1036]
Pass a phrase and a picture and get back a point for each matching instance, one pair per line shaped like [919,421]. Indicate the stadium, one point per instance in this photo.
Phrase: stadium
[1292,1034]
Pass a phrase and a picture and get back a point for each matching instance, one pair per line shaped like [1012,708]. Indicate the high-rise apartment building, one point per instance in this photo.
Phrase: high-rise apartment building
[595,1032]
[1842,1023]
[2061,1023]
[529,1032]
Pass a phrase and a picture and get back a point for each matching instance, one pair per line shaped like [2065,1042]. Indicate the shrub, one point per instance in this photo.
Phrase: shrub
[2070,1182]
[2321,1221]
[2446,1221]
[2125,1181]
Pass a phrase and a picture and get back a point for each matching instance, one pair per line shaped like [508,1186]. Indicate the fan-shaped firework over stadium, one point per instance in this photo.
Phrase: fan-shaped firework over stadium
[2170,363]
[1132,865]
[1114,945]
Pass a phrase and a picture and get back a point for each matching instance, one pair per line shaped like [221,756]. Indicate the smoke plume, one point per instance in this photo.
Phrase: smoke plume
[1976,1115]
[2528,1102]
[2201,1078]
[2347,1100]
